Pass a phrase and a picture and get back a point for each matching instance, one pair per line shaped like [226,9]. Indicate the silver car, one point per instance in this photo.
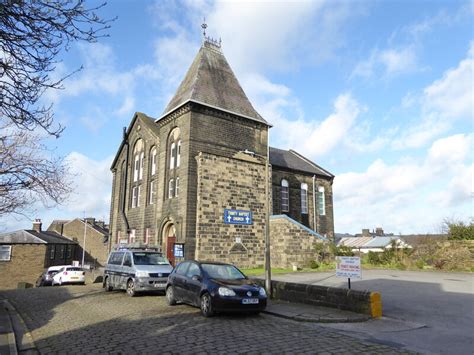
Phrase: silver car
[136,271]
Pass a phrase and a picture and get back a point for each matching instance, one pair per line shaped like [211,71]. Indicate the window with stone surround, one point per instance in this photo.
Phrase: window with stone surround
[172,155]
[5,252]
[176,187]
[153,161]
[52,252]
[178,153]
[152,195]
[170,188]
[138,160]
[285,202]
[136,196]
[69,252]
[321,201]
[304,198]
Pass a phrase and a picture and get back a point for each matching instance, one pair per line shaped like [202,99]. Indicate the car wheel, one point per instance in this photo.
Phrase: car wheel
[131,288]
[206,305]
[108,286]
[170,296]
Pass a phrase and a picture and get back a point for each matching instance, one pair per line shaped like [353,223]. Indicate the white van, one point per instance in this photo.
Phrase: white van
[136,270]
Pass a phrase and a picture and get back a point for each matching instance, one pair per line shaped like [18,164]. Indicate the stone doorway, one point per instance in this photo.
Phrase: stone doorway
[170,239]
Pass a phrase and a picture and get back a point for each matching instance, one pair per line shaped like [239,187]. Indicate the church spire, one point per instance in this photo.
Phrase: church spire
[208,41]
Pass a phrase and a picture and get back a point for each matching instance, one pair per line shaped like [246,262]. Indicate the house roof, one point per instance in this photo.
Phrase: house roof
[290,159]
[211,82]
[370,242]
[29,236]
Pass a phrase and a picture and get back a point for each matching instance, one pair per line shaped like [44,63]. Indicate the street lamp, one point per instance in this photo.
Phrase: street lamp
[268,270]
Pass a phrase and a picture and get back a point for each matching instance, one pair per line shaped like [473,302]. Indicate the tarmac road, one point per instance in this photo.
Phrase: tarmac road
[431,312]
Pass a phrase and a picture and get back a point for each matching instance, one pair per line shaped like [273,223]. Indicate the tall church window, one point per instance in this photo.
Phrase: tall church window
[136,168]
[304,198]
[153,161]
[151,200]
[138,160]
[285,204]
[170,188]
[142,163]
[178,154]
[172,155]
[136,196]
[176,187]
[321,201]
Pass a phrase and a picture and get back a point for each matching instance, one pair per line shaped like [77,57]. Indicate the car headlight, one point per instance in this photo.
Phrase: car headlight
[262,292]
[141,274]
[224,291]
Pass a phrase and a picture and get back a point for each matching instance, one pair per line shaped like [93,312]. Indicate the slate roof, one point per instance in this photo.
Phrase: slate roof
[290,159]
[29,236]
[371,242]
[210,81]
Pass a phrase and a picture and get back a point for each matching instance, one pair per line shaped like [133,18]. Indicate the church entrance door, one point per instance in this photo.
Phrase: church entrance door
[170,240]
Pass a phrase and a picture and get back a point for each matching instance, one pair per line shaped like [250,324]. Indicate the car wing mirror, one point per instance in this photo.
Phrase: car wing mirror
[196,278]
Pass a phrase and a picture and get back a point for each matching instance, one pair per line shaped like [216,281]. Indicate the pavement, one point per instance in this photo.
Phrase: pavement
[15,337]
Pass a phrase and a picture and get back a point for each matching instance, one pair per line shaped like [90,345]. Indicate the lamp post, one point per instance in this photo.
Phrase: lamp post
[268,270]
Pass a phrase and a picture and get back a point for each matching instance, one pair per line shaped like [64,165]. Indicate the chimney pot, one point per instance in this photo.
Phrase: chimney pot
[37,225]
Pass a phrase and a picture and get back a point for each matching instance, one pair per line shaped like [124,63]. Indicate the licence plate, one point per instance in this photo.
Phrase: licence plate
[159,285]
[74,278]
[250,301]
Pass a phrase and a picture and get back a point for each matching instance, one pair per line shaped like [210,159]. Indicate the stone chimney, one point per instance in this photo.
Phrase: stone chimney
[379,231]
[365,232]
[90,220]
[37,225]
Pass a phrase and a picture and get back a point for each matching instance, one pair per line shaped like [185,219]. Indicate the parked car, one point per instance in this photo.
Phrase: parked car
[136,270]
[214,287]
[46,278]
[69,275]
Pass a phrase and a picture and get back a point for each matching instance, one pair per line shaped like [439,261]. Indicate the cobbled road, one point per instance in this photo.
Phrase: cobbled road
[86,319]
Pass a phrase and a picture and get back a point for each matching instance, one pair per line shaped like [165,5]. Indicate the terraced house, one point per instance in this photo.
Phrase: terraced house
[193,179]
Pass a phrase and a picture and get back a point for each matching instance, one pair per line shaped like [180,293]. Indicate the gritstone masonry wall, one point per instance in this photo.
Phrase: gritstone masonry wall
[230,183]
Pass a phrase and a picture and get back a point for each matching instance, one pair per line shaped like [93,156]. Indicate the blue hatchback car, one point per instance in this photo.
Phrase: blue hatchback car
[214,287]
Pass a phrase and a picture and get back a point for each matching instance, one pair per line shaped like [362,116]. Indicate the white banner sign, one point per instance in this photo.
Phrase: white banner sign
[348,267]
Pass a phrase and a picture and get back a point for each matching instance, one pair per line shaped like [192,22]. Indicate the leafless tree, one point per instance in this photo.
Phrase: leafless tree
[28,174]
[32,35]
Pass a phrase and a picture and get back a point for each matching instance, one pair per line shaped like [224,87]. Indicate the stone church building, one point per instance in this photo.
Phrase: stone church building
[193,180]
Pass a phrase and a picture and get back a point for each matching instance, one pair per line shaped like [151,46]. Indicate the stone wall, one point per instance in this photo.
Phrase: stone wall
[324,223]
[291,243]
[26,265]
[230,183]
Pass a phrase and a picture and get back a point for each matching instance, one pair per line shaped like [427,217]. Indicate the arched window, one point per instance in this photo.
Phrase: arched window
[321,201]
[285,203]
[304,198]
[138,157]
[178,154]
[153,161]
[172,155]
[151,200]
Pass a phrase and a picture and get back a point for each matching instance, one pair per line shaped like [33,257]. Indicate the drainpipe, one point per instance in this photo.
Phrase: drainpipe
[315,228]
[124,186]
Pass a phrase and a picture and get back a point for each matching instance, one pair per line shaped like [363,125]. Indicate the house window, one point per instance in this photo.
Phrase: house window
[136,196]
[61,251]
[69,252]
[52,252]
[172,155]
[153,161]
[176,188]
[178,155]
[321,201]
[5,252]
[170,188]
[152,192]
[304,198]
[285,206]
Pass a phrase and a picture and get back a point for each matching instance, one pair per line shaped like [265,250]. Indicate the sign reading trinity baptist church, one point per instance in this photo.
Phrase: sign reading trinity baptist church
[237,217]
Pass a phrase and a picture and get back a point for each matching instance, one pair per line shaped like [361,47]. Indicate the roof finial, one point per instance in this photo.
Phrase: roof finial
[204,26]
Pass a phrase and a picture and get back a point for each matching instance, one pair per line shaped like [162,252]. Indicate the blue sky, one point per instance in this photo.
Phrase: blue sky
[380,93]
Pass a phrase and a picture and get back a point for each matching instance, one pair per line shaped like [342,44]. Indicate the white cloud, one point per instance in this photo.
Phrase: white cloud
[127,107]
[92,185]
[452,96]
[405,189]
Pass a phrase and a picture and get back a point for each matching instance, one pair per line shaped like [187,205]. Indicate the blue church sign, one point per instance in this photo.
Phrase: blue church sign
[237,217]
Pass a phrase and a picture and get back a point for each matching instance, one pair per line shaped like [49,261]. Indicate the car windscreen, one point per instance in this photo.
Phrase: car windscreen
[223,272]
[149,259]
